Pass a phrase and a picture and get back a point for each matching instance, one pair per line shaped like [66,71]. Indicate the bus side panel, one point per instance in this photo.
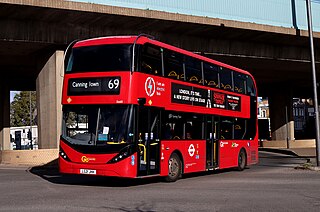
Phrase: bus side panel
[193,154]
[161,92]
[252,152]
[227,154]
[229,151]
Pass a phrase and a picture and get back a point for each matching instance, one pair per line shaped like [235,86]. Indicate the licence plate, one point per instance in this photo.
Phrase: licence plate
[88,171]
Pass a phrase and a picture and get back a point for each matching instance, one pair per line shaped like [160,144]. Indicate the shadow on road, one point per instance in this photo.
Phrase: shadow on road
[51,173]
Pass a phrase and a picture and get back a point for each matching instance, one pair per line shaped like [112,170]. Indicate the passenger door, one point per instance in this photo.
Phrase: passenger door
[212,146]
[148,131]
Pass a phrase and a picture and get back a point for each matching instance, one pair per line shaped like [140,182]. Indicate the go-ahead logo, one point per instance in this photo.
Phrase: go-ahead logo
[85,159]
[150,86]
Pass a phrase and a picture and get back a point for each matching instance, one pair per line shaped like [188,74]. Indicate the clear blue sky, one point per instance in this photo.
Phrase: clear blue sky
[99,1]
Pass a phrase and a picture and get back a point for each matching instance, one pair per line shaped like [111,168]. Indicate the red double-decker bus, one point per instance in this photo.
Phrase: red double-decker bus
[136,107]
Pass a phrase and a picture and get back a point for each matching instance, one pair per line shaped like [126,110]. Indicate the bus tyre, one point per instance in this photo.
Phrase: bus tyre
[175,168]
[242,160]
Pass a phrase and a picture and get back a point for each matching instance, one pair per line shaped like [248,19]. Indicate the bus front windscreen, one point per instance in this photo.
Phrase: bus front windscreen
[100,58]
[97,125]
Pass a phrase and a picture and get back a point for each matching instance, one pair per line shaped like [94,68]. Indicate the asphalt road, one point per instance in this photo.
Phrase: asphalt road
[273,185]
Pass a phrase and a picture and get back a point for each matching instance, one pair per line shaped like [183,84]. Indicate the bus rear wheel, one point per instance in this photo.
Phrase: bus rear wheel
[242,160]
[175,168]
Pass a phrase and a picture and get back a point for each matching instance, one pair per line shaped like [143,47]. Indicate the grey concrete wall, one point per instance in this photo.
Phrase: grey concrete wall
[4,116]
[191,32]
[49,91]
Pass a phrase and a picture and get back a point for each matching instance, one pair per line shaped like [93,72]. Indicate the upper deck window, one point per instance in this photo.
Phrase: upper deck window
[239,82]
[173,65]
[151,62]
[100,58]
[251,88]
[211,75]
[193,70]
[226,79]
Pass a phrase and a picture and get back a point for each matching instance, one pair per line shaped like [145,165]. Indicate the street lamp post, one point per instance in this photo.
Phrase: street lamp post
[314,78]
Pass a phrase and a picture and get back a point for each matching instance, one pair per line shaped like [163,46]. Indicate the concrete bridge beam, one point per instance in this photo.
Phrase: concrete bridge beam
[49,91]
[42,33]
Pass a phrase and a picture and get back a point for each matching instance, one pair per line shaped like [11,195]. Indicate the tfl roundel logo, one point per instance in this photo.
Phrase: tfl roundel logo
[150,86]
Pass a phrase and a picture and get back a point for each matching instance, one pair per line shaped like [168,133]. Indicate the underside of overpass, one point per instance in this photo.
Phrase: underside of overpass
[33,31]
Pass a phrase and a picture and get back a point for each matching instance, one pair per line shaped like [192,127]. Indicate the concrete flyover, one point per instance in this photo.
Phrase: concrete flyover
[34,34]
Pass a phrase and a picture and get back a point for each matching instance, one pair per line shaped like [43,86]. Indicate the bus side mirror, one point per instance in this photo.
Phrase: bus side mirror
[142,101]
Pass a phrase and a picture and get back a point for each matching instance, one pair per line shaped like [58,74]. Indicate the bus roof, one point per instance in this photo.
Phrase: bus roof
[129,39]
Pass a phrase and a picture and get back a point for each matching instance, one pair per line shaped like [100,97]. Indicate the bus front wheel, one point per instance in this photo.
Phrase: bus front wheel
[175,168]
[242,160]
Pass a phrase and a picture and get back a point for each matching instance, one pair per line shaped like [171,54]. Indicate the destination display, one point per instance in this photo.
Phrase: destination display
[94,86]
[190,95]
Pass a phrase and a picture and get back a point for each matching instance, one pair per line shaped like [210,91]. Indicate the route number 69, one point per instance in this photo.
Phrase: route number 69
[113,84]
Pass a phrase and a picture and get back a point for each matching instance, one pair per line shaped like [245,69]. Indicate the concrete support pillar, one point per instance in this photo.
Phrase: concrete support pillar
[281,115]
[49,91]
[4,116]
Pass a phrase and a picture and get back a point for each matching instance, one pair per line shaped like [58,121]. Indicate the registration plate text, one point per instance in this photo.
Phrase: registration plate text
[88,171]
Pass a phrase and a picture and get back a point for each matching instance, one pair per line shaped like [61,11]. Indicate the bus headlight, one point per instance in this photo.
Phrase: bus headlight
[124,153]
[63,154]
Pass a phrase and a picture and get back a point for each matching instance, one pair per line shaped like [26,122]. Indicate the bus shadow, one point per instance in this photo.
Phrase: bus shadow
[50,173]
[212,172]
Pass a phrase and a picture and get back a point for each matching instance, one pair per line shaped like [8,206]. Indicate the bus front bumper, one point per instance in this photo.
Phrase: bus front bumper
[125,168]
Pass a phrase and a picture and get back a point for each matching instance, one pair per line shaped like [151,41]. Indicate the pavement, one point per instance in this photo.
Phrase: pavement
[15,166]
